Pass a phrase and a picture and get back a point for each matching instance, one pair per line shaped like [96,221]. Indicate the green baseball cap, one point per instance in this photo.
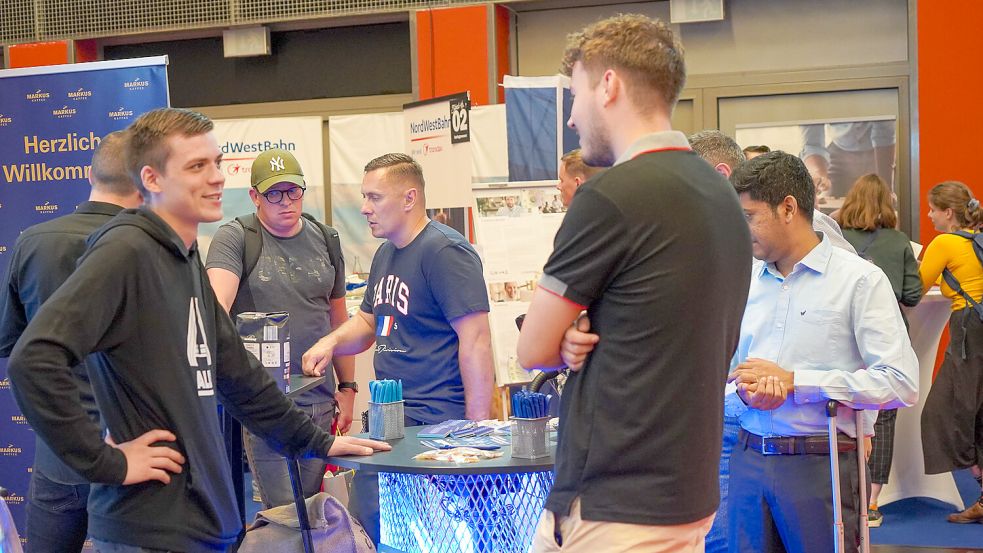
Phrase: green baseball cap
[275,166]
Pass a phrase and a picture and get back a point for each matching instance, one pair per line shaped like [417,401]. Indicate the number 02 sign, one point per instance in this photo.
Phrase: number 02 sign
[460,105]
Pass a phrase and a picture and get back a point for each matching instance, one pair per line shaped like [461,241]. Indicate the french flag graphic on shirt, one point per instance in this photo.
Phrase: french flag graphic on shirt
[385,326]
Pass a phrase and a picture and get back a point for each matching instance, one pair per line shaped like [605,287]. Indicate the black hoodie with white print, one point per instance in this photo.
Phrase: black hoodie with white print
[163,352]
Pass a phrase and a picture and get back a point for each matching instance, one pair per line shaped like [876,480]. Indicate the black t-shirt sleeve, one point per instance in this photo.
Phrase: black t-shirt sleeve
[589,247]
[456,281]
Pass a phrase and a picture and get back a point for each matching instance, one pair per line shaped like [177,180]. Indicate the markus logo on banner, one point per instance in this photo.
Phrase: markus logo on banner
[51,120]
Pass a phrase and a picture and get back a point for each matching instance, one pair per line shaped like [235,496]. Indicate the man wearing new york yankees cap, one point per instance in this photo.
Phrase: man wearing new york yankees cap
[299,270]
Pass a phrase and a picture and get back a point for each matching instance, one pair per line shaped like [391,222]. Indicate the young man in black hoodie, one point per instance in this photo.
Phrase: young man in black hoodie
[43,258]
[162,348]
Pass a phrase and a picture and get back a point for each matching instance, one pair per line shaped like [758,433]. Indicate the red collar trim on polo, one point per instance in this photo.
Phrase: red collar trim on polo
[564,298]
[666,149]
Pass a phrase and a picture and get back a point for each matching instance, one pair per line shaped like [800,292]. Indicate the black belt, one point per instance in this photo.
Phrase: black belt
[795,445]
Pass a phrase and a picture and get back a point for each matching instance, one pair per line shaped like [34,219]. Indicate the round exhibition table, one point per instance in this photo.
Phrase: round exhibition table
[492,505]
[908,478]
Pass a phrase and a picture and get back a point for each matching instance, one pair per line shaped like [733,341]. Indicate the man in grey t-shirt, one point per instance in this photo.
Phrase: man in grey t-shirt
[294,273]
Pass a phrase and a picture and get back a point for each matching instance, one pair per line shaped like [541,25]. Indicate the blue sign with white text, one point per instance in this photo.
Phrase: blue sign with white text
[51,120]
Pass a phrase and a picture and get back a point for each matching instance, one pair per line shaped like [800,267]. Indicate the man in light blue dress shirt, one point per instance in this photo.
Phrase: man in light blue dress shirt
[820,324]
[724,155]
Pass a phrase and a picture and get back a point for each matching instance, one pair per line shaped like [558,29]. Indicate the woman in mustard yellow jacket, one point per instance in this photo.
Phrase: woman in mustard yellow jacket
[952,421]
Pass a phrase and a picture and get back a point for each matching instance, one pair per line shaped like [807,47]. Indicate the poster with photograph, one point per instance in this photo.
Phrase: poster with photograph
[454,217]
[505,340]
[515,227]
[836,152]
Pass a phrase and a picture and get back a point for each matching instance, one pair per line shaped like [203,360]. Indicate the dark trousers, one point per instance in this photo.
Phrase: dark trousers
[57,519]
[952,420]
[784,503]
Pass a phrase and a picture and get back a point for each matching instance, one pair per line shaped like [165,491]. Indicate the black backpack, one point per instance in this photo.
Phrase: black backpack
[950,279]
[254,246]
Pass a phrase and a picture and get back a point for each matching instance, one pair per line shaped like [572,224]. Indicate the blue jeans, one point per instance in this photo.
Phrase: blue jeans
[57,520]
[716,540]
[269,467]
[363,498]
[109,547]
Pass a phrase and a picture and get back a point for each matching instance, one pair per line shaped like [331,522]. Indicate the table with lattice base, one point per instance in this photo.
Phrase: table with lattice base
[428,507]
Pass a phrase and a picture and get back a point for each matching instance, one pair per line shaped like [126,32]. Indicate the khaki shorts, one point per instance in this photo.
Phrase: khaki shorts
[588,536]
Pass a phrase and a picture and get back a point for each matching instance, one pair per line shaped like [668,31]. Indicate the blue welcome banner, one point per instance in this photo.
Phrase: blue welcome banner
[51,119]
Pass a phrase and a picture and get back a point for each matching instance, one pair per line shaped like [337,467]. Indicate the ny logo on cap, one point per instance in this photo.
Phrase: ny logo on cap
[276,164]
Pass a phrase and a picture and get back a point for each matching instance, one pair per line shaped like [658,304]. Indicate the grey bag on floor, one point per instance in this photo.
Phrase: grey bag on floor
[333,530]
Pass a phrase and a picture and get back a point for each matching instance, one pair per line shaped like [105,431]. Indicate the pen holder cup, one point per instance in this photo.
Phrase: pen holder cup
[386,420]
[529,438]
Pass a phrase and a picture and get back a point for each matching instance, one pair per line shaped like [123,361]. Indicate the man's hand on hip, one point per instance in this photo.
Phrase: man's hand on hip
[145,461]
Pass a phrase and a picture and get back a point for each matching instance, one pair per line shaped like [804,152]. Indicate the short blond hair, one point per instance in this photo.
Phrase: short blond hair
[573,162]
[643,49]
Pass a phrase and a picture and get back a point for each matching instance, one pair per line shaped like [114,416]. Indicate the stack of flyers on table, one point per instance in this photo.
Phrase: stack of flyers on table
[464,433]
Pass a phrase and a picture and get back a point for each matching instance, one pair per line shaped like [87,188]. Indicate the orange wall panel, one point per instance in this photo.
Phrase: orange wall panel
[949,108]
[38,53]
[503,32]
[452,52]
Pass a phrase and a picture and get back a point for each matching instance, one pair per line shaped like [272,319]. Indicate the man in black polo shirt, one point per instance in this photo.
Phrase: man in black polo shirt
[43,257]
[657,250]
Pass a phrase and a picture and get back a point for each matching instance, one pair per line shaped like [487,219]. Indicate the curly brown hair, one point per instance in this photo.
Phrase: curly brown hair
[644,50]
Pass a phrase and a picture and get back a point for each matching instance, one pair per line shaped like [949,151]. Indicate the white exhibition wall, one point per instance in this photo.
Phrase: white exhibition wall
[356,139]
